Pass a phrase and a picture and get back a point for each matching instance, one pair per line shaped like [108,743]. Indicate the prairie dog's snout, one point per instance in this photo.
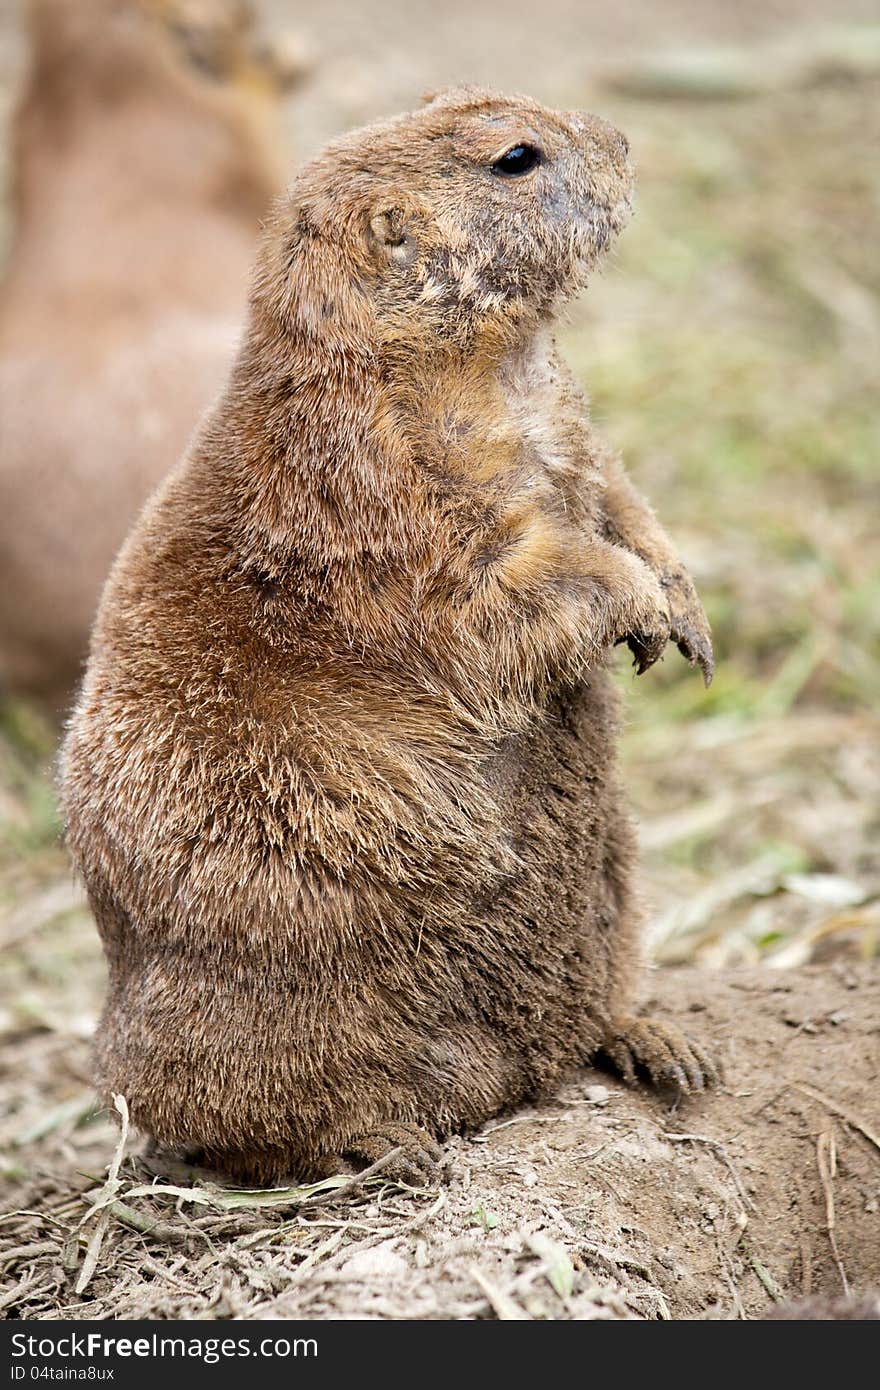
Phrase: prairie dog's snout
[585,124]
[604,153]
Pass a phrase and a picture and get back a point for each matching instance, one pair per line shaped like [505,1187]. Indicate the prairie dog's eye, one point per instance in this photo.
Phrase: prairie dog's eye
[520,159]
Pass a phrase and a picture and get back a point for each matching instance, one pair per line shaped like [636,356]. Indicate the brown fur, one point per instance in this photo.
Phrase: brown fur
[341,778]
[138,191]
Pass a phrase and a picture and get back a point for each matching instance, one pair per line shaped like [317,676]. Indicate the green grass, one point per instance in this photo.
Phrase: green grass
[733,354]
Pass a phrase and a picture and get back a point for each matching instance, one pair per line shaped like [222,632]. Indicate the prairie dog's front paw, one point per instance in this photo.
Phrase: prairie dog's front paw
[647,647]
[689,626]
[641,613]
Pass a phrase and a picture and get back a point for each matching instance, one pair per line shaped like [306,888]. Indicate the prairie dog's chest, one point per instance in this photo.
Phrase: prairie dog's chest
[547,415]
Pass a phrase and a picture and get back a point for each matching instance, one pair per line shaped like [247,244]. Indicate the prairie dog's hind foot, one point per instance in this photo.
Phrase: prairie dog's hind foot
[419,1162]
[658,1050]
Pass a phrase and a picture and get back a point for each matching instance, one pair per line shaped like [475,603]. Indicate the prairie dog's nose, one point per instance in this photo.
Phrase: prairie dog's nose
[588,127]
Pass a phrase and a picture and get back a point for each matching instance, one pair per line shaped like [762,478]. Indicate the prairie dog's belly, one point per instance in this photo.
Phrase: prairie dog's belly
[562,767]
[563,920]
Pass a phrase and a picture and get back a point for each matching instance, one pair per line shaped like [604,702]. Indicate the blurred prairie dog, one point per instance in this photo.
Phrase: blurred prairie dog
[341,778]
[138,189]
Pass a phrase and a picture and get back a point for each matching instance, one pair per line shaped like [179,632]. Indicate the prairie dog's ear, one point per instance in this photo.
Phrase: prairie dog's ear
[391,238]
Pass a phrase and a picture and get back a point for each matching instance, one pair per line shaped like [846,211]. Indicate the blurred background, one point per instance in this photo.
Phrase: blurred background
[730,349]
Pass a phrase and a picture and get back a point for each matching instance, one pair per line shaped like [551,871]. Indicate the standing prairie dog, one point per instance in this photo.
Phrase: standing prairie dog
[341,779]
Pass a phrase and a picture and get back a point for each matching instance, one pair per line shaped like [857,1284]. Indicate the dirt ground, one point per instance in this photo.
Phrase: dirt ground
[603,1203]
[732,351]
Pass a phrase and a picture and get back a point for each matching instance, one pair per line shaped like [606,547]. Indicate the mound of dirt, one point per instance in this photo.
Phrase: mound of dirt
[603,1203]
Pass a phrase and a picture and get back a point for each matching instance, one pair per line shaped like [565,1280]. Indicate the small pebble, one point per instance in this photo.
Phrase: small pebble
[597,1095]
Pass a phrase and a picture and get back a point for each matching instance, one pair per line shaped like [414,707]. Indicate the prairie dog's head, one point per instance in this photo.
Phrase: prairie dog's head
[472,218]
[221,40]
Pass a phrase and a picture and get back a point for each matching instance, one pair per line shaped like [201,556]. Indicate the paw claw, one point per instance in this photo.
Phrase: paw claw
[647,648]
[696,650]
[619,1055]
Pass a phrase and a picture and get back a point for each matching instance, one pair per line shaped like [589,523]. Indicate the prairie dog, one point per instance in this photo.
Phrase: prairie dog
[341,779]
